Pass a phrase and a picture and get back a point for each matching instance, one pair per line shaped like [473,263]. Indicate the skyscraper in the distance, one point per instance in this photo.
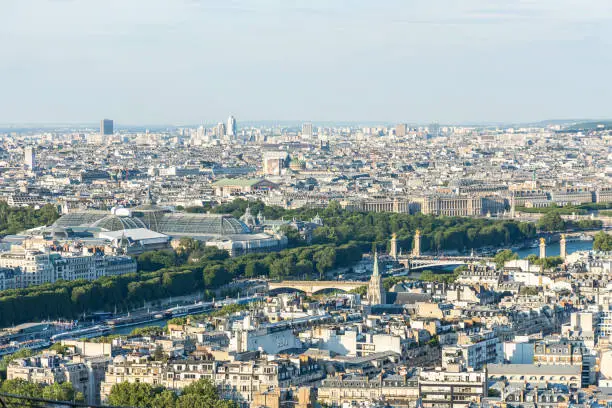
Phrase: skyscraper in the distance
[232,128]
[401,130]
[29,158]
[434,129]
[220,130]
[307,130]
[106,127]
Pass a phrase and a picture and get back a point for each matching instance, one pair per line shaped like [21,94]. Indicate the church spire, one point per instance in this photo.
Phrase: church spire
[376,291]
[375,269]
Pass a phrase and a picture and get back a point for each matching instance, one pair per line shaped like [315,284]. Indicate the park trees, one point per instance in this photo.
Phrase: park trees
[504,256]
[200,394]
[602,242]
[56,391]
[551,221]
[16,219]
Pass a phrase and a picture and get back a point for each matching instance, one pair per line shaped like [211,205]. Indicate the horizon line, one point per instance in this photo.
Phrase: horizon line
[289,122]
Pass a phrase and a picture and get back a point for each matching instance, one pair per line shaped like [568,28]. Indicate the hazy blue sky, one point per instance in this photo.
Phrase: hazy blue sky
[191,61]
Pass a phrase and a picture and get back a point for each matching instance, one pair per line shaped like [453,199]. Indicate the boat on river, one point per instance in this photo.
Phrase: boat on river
[84,333]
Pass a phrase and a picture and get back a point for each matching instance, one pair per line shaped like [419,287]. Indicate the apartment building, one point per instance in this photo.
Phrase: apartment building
[529,198]
[237,380]
[446,389]
[573,196]
[35,267]
[603,195]
[566,353]
[49,368]
[472,351]
[354,344]
[8,278]
[397,390]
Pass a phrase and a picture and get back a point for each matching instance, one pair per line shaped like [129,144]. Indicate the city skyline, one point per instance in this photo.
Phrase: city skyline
[393,61]
[306,204]
[297,124]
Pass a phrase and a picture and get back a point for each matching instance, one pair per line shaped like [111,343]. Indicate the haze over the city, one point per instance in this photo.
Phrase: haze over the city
[305,204]
[168,61]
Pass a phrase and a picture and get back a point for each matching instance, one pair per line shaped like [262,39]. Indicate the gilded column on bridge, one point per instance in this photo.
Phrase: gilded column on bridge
[562,247]
[416,250]
[542,248]
[393,251]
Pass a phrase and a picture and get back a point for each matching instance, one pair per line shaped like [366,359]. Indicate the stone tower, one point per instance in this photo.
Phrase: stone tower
[541,277]
[562,247]
[542,248]
[376,290]
[393,251]
[416,250]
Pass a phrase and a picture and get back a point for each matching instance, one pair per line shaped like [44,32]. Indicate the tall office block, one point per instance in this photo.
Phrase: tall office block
[401,130]
[29,158]
[434,129]
[307,130]
[232,127]
[220,130]
[106,127]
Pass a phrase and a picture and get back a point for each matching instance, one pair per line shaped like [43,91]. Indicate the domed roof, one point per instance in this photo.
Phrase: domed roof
[116,223]
[119,359]
[201,224]
[80,218]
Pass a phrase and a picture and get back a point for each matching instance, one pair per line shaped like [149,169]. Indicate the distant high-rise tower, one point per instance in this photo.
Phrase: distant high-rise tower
[220,130]
[434,129]
[232,128]
[106,127]
[401,130]
[307,130]
[376,290]
[29,158]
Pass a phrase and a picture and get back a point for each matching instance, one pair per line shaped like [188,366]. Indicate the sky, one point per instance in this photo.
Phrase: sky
[198,61]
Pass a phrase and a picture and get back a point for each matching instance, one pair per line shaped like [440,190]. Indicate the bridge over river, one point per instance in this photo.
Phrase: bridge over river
[413,263]
[311,287]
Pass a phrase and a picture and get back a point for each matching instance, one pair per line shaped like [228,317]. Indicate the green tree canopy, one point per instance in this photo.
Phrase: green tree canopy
[551,221]
[199,394]
[602,242]
[17,219]
[61,392]
[138,395]
[504,256]
[155,260]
